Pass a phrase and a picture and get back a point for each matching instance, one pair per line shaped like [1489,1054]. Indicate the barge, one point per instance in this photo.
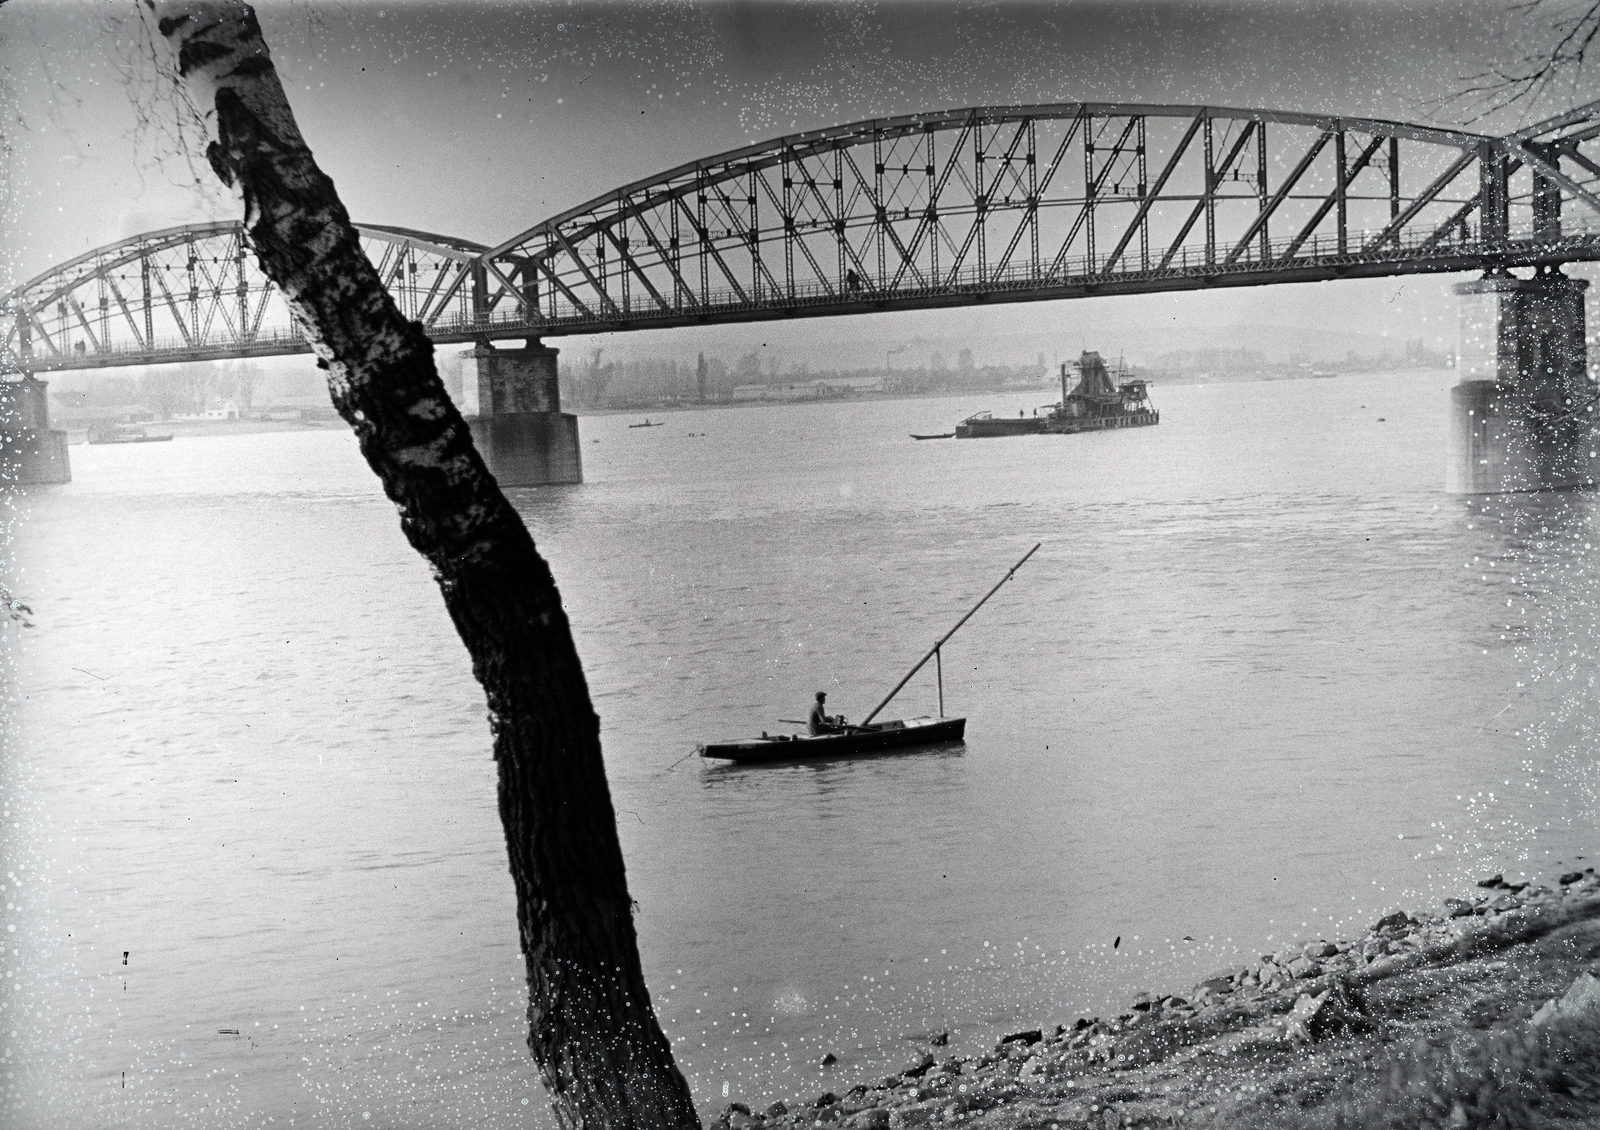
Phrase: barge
[123,433]
[1097,403]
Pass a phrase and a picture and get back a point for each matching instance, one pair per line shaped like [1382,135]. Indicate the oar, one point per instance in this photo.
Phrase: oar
[934,650]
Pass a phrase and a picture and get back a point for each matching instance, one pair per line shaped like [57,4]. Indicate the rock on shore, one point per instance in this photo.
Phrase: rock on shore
[1485,1012]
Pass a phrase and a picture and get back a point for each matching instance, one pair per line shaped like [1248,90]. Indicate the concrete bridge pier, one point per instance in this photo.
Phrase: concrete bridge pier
[1523,413]
[512,403]
[30,450]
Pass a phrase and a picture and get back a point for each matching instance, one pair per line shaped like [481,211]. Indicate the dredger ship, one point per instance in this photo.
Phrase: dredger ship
[1097,403]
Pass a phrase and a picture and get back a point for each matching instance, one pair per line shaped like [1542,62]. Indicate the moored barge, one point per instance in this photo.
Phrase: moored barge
[1097,403]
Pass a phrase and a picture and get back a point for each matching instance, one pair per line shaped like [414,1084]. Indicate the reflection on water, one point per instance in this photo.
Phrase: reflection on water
[1263,681]
[1538,557]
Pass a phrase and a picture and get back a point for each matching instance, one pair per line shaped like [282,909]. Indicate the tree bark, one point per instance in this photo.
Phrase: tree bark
[592,1028]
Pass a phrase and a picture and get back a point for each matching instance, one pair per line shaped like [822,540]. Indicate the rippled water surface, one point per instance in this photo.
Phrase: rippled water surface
[1263,681]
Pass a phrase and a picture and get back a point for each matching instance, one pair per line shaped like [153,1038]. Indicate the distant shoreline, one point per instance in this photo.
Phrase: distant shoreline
[187,429]
[77,433]
[1047,388]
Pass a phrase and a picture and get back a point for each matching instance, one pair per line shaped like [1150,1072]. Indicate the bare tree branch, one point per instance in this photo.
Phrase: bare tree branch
[1566,29]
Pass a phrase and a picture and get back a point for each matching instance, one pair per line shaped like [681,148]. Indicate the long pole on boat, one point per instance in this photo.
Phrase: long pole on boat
[934,650]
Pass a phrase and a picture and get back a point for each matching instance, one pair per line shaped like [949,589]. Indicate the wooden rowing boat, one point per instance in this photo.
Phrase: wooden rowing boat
[875,738]
[866,736]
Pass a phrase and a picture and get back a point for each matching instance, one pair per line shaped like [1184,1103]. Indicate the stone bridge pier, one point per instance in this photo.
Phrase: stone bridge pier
[512,403]
[31,451]
[1523,413]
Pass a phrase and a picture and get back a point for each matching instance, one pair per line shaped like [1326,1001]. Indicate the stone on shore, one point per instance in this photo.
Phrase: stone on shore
[1582,1001]
[1031,1036]
[1256,1028]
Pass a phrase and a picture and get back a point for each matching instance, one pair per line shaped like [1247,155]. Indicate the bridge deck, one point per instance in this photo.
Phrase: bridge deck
[962,207]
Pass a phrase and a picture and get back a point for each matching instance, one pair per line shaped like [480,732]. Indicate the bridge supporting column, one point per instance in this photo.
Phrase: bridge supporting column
[513,406]
[30,450]
[1522,413]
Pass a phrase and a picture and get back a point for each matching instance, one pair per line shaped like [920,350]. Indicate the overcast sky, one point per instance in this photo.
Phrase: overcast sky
[480,119]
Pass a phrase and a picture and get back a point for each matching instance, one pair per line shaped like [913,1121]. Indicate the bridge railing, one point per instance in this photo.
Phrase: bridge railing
[1193,261]
[1282,255]
[956,207]
[162,350]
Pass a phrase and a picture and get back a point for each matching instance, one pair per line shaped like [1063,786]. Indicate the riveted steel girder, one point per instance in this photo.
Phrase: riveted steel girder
[956,207]
[195,292]
[902,213]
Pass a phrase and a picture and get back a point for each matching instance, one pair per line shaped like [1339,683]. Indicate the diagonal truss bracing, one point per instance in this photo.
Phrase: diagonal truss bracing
[953,207]
[981,204]
[196,292]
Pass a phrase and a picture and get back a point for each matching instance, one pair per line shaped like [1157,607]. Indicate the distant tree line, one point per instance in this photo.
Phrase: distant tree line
[165,392]
[594,382]
[589,381]
[1250,364]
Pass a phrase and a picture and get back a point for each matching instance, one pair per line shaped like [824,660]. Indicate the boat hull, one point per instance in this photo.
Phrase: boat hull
[1003,426]
[1071,425]
[874,739]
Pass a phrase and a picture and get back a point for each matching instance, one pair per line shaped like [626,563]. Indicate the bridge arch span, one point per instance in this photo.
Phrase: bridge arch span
[1015,203]
[195,292]
[959,207]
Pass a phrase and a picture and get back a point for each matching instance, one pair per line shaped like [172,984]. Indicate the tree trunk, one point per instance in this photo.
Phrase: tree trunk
[592,1028]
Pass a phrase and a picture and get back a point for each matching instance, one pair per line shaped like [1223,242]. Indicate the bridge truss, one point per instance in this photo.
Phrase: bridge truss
[1041,202]
[988,204]
[196,293]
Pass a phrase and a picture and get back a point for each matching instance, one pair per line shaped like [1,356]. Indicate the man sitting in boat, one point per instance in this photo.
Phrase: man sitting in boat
[822,723]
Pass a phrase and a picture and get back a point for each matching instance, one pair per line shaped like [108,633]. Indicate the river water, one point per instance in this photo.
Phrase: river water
[1263,682]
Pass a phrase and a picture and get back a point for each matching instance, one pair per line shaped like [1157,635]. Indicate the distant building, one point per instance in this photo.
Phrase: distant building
[315,407]
[819,388]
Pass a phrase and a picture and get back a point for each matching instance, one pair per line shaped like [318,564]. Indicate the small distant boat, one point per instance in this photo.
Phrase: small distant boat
[648,423]
[940,435]
[125,433]
[867,736]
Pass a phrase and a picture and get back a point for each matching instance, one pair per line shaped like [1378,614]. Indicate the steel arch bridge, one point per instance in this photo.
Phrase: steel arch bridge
[986,204]
[196,293]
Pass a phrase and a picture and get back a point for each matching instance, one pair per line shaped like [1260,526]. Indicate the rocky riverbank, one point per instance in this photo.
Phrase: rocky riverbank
[1485,1013]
